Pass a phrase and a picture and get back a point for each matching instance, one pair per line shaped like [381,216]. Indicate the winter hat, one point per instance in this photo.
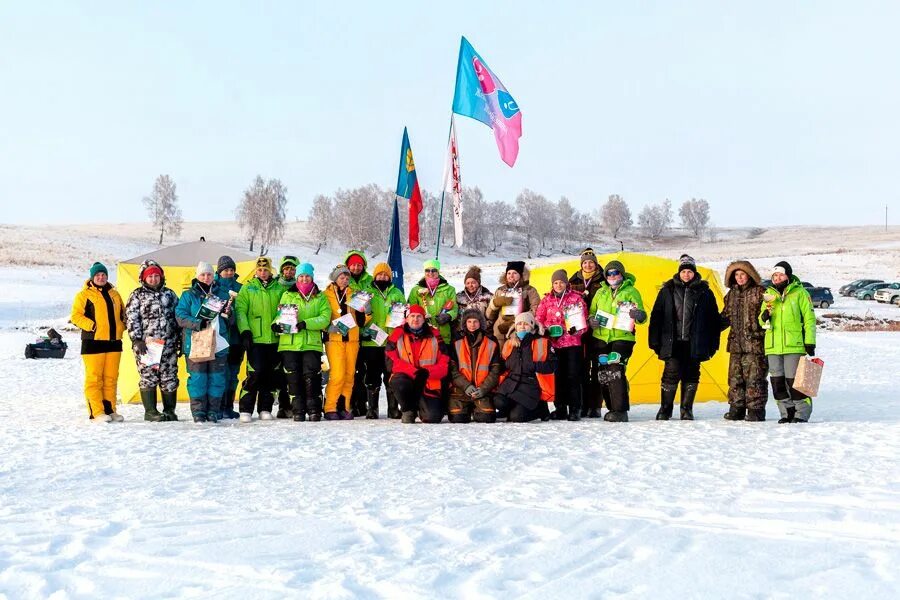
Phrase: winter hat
[355,259]
[474,272]
[336,272]
[527,318]
[471,313]
[432,264]
[784,267]
[559,275]
[204,267]
[416,309]
[383,268]
[98,267]
[516,265]
[588,254]
[264,262]
[614,265]
[687,262]
[153,269]
[306,269]
[225,262]
[288,260]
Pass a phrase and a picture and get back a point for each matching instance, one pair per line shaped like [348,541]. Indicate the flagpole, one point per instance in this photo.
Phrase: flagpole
[437,250]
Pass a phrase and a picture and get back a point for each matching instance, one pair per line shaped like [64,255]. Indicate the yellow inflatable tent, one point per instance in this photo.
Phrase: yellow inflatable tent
[179,263]
[644,368]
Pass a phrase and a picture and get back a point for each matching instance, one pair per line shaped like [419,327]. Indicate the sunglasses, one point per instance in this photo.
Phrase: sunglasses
[431,270]
[613,273]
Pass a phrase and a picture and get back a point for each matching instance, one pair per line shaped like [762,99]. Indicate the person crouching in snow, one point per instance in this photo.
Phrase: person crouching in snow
[342,347]
[475,367]
[418,361]
[616,344]
[301,351]
[527,384]
[558,306]
[98,311]
[150,316]
[206,379]
[788,313]
[747,365]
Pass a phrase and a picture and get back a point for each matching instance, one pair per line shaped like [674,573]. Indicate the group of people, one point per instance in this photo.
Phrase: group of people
[468,355]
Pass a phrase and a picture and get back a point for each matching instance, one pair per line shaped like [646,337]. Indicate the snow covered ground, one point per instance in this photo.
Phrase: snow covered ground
[374,509]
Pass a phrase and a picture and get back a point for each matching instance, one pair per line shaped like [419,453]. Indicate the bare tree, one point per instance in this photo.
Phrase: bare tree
[321,216]
[655,219]
[615,215]
[499,215]
[531,211]
[567,222]
[262,212]
[248,213]
[474,222]
[694,215]
[162,206]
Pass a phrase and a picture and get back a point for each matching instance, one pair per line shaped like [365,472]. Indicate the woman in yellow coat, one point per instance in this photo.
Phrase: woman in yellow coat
[99,312]
[341,345]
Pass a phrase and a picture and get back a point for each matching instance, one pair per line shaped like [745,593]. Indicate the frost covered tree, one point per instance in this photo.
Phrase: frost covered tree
[694,215]
[262,211]
[567,220]
[499,216]
[162,206]
[532,215]
[615,215]
[655,219]
[321,217]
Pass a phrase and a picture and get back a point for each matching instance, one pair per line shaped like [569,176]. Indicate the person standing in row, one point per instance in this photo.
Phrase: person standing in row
[342,346]
[616,295]
[475,368]
[788,313]
[437,297]
[360,281]
[287,278]
[206,379]
[150,318]
[514,296]
[474,295]
[563,315]
[301,350]
[527,385]
[684,331]
[255,308]
[226,280]
[371,361]
[747,364]
[586,282]
[98,311]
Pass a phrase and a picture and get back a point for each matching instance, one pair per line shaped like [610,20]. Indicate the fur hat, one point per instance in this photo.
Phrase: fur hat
[472,313]
[559,275]
[384,268]
[527,318]
[588,254]
[741,265]
[783,267]
[474,272]
[516,265]
[336,272]
[225,262]
[203,267]
[98,267]
[687,262]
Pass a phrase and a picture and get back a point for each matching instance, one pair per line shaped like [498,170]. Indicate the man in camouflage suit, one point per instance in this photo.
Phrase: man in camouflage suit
[747,368]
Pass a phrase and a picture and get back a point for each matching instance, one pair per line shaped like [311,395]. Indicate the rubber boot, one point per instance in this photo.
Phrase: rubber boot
[756,414]
[372,395]
[393,407]
[617,400]
[313,397]
[688,392]
[666,401]
[148,399]
[737,414]
[169,400]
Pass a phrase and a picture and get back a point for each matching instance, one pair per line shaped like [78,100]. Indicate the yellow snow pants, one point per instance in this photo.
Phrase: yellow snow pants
[101,373]
[342,359]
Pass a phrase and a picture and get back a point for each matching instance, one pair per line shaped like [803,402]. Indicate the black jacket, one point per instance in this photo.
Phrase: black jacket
[699,314]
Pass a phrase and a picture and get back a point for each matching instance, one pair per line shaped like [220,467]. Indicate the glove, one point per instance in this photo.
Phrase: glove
[502,300]
[810,349]
[334,329]
[301,325]
[470,391]
[139,346]
[277,328]
[637,314]
[421,375]
[572,330]
[246,340]
[594,323]
[765,316]
[443,318]
[477,394]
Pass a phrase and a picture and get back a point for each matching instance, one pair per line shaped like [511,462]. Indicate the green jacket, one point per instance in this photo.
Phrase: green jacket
[256,306]
[381,308]
[608,300]
[315,312]
[433,305]
[366,281]
[792,321]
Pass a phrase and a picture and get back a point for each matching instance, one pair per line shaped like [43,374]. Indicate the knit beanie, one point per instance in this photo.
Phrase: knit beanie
[98,267]
[516,265]
[588,254]
[614,265]
[432,264]
[225,262]
[306,269]
[783,267]
[336,272]
[527,318]
[473,273]
[153,269]
[416,309]
[264,262]
[288,260]
[204,267]
[559,275]
[687,262]
[354,259]
[383,268]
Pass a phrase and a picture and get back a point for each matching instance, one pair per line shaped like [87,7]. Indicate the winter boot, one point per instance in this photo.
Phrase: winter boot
[561,413]
[372,395]
[616,416]
[285,409]
[298,408]
[790,415]
[199,409]
[148,399]
[344,410]
[756,414]
[112,414]
[169,400]
[666,402]
[575,415]
[737,414]
[688,392]
[313,392]
[215,410]
[228,411]
[408,416]
[393,408]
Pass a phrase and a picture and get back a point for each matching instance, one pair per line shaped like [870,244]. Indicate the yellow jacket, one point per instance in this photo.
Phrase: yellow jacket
[100,314]
[331,293]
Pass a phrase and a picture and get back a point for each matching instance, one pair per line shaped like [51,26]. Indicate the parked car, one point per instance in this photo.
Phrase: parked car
[821,296]
[867,292]
[889,293]
[851,288]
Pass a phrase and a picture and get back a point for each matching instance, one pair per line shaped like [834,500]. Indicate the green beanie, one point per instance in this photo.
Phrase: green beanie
[98,268]
[433,264]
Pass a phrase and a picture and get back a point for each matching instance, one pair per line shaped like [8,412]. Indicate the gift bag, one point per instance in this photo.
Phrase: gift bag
[809,375]
[203,345]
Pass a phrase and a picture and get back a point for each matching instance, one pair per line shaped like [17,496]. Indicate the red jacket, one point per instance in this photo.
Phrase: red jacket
[399,362]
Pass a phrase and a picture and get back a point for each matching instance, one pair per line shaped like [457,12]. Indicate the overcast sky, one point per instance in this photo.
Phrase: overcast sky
[774,111]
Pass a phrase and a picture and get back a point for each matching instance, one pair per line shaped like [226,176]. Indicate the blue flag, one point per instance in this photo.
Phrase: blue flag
[395,253]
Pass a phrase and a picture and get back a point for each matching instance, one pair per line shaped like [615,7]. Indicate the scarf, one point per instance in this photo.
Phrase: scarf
[432,283]
[305,288]
[383,285]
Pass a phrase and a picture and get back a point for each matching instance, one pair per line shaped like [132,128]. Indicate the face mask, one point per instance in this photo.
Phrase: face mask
[522,334]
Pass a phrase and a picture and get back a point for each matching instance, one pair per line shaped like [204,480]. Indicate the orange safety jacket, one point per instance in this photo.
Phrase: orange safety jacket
[482,362]
[540,349]
[428,356]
